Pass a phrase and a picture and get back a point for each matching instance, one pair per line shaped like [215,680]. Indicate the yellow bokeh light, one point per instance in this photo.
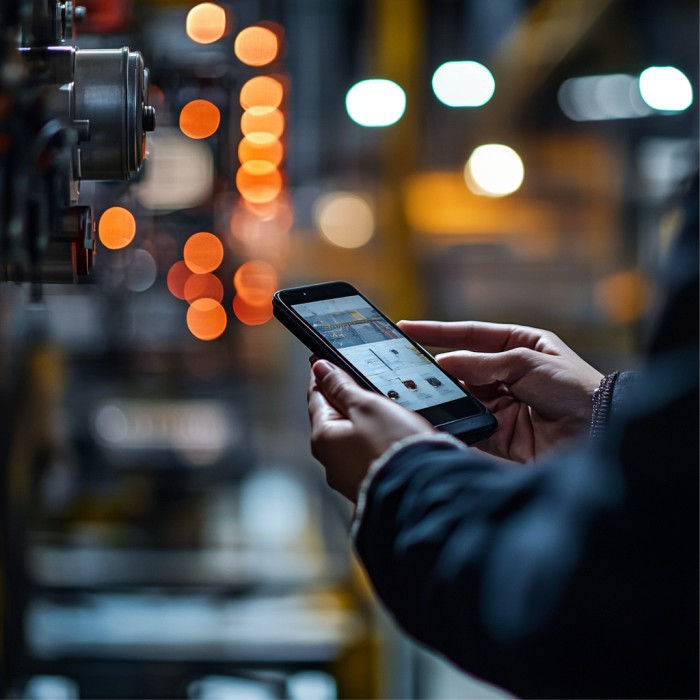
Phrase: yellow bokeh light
[439,203]
[256,46]
[206,23]
[622,295]
[345,219]
[199,119]
[117,228]
[494,170]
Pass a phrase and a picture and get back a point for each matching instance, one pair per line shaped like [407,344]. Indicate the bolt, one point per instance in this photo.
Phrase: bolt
[149,118]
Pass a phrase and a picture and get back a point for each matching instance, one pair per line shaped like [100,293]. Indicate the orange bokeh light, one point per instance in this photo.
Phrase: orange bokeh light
[117,228]
[260,145]
[262,91]
[206,23]
[256,46]
[255,281]
[199,119]
[203,252]
[249,314]
[261,231]
[262,119]
[178,275]
[623,295]
[258,181]
[206,319]
[205,286]
[277,214]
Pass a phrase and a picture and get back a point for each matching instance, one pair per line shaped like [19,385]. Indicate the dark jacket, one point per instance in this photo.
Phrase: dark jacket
[575,577]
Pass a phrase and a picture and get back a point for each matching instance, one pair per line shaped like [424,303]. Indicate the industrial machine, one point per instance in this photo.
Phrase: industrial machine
[66,115]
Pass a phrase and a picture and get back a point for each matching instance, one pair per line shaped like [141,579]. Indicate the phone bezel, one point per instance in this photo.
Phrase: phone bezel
[465,416]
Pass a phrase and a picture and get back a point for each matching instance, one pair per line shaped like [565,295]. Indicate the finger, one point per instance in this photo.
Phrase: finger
[338,387]
[488,393]
[472,335]
[478,369]
[320,411]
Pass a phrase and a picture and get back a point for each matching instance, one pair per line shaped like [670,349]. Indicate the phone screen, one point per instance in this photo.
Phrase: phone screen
[335,321]
[393,364]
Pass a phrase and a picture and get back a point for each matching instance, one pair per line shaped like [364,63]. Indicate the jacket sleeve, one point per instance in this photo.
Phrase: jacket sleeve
[608,398]
[577,577]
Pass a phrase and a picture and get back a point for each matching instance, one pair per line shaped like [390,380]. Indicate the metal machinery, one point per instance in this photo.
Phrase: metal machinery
[150,525]
[67,115]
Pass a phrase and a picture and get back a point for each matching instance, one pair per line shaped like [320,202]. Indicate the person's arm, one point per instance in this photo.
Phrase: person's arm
[573,578]
[576,577]
[555,580]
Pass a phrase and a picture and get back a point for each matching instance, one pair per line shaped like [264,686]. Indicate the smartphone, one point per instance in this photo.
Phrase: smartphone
[337,323]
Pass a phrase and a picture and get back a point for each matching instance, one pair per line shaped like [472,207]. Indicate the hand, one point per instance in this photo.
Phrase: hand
[351,426]
[537,387]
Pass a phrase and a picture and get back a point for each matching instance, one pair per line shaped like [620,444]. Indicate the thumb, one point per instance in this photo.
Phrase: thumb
[341,390]
[481,368]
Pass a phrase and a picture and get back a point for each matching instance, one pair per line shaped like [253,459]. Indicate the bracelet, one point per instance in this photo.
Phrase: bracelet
[602,398]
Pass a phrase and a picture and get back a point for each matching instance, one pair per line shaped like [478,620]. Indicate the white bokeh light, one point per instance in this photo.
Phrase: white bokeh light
[111,424]
[180,172]
[602,97]
[463,84]
[375,102]
[141,272]
[494,170]
[666,89]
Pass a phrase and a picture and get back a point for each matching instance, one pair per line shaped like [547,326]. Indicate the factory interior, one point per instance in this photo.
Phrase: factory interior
[166,165]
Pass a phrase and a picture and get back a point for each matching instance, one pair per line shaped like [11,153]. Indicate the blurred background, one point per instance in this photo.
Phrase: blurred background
[165,530]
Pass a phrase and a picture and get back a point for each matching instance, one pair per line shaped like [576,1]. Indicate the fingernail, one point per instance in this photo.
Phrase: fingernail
[322,368]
